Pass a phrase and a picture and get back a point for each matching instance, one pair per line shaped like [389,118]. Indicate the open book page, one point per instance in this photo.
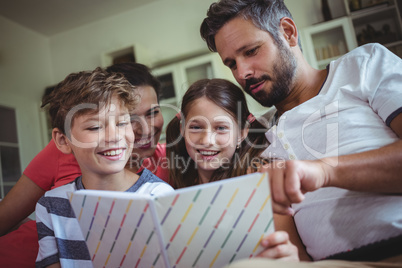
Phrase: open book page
[216,223]
[208,225]
[118,227]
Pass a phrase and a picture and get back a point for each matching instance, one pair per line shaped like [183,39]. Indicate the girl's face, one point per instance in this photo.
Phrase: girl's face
[211,136]
[147,123]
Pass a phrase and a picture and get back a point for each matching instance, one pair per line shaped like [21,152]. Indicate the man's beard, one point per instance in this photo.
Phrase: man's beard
[284,71]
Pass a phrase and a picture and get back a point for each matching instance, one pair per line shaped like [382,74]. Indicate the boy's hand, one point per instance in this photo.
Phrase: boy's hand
[278,246]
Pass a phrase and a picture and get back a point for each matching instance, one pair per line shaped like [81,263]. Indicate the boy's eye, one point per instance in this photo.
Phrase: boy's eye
[93,128]
[122,123]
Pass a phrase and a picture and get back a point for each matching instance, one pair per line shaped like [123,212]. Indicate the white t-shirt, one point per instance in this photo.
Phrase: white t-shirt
[351,114]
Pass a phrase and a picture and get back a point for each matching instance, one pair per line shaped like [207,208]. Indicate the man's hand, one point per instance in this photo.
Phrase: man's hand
[289,180]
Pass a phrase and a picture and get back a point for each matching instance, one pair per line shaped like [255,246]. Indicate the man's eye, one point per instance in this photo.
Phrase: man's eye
[232,66]
[252,52]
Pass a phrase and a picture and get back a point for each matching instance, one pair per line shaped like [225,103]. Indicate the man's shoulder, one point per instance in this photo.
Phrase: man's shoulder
[368,50]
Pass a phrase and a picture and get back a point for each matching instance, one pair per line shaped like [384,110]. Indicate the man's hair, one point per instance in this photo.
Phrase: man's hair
[264,14]
[137,74]
[87,92]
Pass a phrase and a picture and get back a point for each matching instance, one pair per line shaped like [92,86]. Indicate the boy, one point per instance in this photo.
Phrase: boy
[90,117]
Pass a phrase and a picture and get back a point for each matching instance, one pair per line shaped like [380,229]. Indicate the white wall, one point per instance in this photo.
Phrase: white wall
[29,62]
[24,72]
[167,28]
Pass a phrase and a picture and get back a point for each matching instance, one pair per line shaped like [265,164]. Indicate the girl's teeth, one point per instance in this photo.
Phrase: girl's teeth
[113,152]
[208,153]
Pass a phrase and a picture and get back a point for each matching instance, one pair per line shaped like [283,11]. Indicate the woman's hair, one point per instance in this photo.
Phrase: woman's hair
[137,74]
[87,92]
[264,14]
[231,98]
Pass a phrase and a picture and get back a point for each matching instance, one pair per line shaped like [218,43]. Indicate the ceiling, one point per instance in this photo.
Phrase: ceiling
[50,17]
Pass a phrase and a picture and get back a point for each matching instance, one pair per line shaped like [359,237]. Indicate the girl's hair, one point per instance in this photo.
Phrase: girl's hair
[226,95]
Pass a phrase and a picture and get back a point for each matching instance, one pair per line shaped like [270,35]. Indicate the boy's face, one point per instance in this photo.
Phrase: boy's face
[102,142]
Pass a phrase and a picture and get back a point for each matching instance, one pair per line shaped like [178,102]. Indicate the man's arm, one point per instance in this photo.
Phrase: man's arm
[372,171]
[377,170]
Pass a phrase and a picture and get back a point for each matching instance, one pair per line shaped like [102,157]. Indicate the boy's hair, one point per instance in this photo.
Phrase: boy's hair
[228,96]
[87,92]
[137,74]
[264,14]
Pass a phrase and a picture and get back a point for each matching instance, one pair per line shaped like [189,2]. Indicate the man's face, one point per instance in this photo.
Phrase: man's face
[264,69]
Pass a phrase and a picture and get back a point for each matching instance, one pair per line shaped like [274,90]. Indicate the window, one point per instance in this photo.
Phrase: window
[10,168]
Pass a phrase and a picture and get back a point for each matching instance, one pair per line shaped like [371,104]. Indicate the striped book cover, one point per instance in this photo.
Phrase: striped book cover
[208,225]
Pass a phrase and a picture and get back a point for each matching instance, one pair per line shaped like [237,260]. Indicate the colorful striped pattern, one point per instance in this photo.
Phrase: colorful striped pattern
[209,227]
[200,234]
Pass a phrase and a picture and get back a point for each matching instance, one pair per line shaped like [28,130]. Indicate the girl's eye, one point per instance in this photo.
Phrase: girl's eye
[222,128]
[195,127]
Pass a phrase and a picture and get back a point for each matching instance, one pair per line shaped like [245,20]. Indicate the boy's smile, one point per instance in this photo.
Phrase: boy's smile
[102,142]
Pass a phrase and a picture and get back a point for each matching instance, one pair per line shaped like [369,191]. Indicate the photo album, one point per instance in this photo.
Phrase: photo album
[208,225]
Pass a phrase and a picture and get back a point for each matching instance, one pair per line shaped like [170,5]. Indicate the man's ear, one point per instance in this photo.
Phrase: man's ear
[61,141]
[289,30]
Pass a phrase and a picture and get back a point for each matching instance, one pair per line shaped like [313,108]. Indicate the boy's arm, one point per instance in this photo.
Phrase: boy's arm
[54,265]
[48,250]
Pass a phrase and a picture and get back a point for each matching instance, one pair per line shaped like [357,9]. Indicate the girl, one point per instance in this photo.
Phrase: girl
[216,137]
[212,110]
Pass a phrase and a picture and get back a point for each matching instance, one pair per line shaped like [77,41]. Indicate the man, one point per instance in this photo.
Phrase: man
[339,127]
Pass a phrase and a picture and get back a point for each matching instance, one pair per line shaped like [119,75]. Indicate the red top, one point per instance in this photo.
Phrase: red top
[51,168]
[157,163]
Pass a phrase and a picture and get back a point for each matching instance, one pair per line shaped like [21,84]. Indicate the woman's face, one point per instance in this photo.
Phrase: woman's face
[147,123]
[211,137]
